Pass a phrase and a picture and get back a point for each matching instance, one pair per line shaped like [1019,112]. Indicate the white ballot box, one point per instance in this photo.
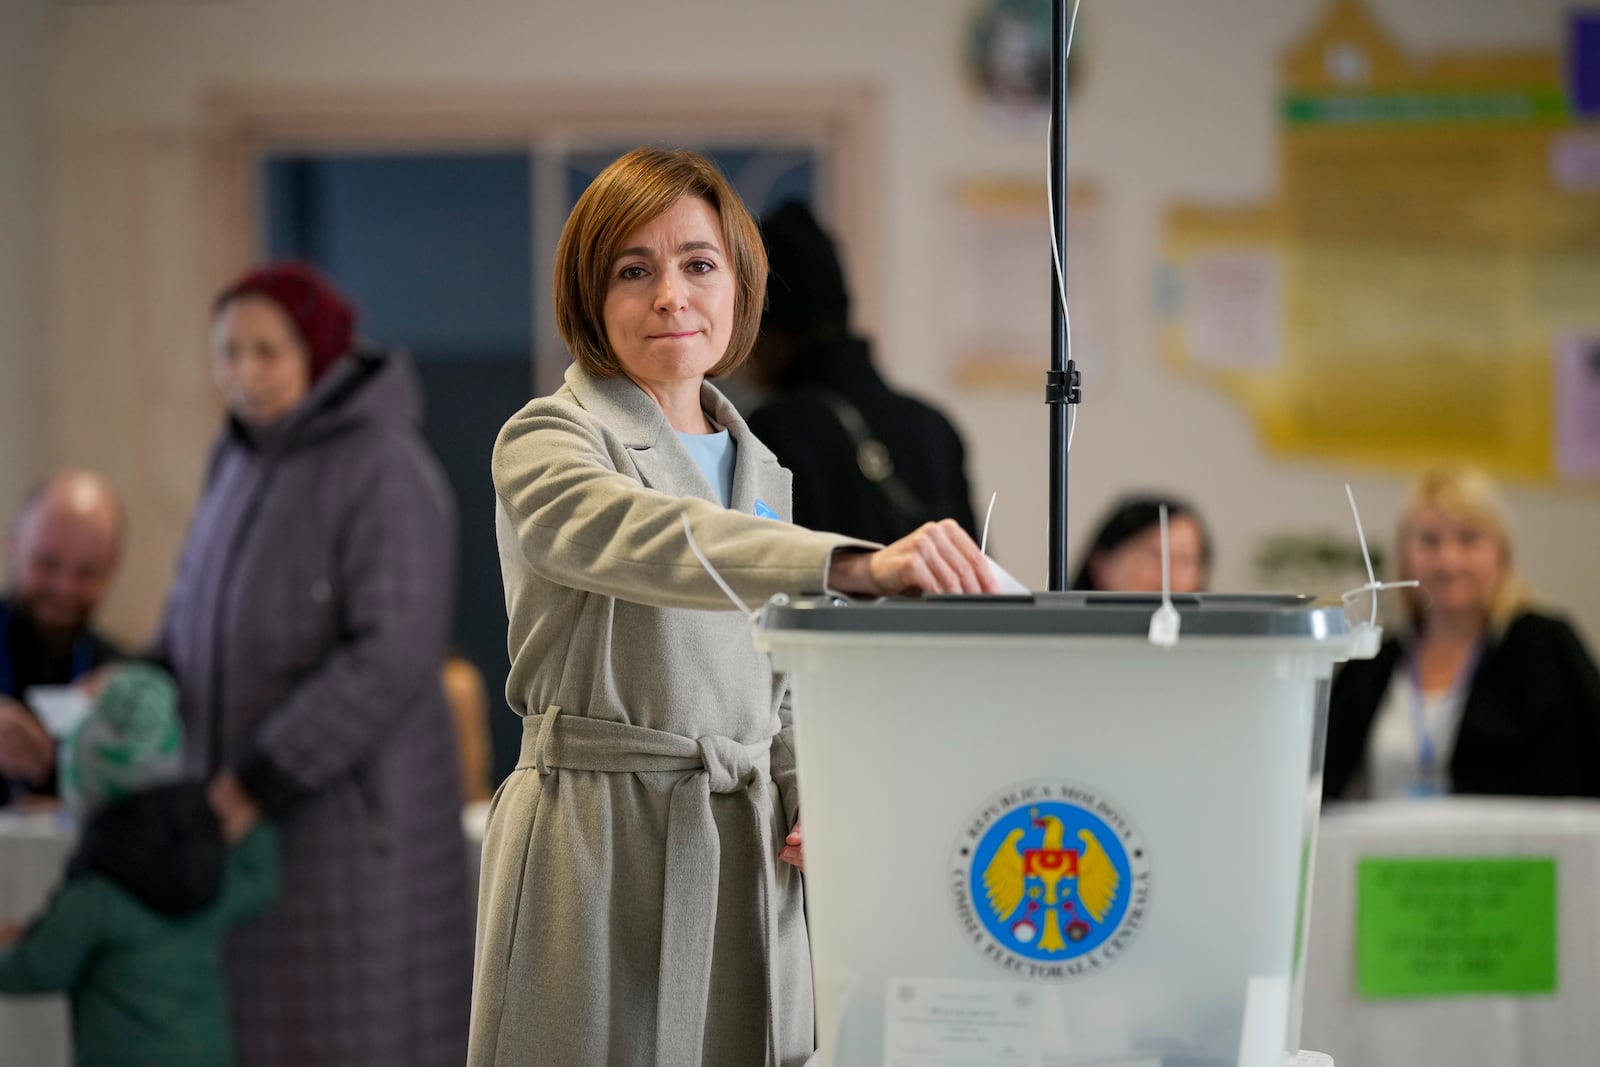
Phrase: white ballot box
[1033,838]
[1457,930]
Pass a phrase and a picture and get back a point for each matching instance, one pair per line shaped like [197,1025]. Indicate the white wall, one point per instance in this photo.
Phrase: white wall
[24,38]
[1177,103]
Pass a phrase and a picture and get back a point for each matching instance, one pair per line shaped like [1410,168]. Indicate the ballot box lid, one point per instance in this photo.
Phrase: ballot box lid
[1071,614]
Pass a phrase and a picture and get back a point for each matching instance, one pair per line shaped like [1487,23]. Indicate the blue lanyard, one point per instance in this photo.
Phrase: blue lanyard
[82,657]
[1427,747]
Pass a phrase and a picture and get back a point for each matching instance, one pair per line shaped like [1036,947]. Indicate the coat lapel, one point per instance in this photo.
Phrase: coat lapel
[667,466]
[757,474]
[659,457]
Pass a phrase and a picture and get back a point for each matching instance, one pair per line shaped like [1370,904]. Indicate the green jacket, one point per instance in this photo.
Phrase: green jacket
[147,989]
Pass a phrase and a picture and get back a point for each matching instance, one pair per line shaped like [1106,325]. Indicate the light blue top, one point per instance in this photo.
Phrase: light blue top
[713,454]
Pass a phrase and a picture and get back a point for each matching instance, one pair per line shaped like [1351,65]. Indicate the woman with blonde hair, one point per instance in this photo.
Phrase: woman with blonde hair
[1478,693]
[641,902]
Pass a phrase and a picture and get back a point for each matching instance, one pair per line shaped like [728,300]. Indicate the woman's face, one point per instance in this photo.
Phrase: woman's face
[1460,564]
[670,302]
[258,360]
[1135,565]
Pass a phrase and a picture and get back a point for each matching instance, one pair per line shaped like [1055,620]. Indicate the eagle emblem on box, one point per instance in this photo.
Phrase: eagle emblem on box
[1048,876]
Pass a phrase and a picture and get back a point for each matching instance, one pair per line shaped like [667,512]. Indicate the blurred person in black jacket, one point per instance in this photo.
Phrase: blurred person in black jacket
[1477,693]
[868,461]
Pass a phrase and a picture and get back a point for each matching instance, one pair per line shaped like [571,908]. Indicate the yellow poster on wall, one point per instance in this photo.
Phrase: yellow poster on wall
[1432,254]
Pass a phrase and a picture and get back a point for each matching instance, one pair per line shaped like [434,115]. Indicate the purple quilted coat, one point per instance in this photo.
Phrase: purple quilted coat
[306,629]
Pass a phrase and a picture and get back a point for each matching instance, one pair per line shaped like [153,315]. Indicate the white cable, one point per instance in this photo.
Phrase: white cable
[1055,245]
[1165,622]
[706,563]
[983,542]
[1050,193]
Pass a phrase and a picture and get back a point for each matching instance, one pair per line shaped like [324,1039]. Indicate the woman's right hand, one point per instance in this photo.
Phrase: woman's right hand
[937,557]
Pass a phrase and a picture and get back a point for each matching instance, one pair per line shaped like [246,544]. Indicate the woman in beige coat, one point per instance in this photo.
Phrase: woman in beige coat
[634,909]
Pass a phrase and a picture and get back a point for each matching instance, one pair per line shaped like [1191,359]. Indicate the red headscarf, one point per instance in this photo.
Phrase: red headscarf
[324,319]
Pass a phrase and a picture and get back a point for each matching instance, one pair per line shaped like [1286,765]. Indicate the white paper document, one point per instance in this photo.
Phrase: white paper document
[60,708]
[946,1023]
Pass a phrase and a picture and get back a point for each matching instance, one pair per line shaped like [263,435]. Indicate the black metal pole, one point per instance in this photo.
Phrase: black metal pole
[1061,384]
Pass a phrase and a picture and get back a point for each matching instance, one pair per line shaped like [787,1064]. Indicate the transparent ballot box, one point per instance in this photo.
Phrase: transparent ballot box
[1034,838]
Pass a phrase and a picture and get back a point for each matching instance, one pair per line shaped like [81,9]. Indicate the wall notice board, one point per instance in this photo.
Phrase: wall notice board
[1426,283]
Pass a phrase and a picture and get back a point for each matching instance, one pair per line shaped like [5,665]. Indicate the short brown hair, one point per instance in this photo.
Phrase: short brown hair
[628,194]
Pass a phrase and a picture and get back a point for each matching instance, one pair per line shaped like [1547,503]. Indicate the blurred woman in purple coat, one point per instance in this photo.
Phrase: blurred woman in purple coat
[307,628]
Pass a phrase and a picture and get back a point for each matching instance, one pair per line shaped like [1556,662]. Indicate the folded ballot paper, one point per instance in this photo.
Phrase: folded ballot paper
[1008,584]
[60,708]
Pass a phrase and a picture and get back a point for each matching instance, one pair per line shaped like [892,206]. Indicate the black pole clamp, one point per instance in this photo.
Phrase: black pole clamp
[1063,386]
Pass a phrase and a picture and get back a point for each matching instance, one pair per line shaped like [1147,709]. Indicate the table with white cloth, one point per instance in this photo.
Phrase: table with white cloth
[1527,1029]
[34,1031]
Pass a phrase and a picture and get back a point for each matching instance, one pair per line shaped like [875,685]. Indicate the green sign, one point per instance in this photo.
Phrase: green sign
[1443,927]
[1518,107]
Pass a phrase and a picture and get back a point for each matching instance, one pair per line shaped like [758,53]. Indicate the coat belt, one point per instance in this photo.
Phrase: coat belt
[553,741]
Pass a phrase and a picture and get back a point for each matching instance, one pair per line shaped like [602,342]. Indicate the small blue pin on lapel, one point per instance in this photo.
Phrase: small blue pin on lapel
[764,512]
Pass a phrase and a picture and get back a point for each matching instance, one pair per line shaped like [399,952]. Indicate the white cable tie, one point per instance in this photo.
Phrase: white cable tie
[1366,633]
[1366,555]
[983,542]
[1365,636]
[706,563]
[1376,587]
[1165,621]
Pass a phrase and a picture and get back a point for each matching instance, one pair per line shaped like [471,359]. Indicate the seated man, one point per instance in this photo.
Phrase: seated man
[61,553]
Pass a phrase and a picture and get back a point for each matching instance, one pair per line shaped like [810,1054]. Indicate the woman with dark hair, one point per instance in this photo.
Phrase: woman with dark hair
[1125,555]
[634,909]
[307,630]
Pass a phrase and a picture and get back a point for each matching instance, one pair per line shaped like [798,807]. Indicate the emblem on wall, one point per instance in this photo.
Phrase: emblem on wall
[1007,56]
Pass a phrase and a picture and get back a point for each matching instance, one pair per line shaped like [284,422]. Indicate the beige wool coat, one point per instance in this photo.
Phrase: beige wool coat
[633,910]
